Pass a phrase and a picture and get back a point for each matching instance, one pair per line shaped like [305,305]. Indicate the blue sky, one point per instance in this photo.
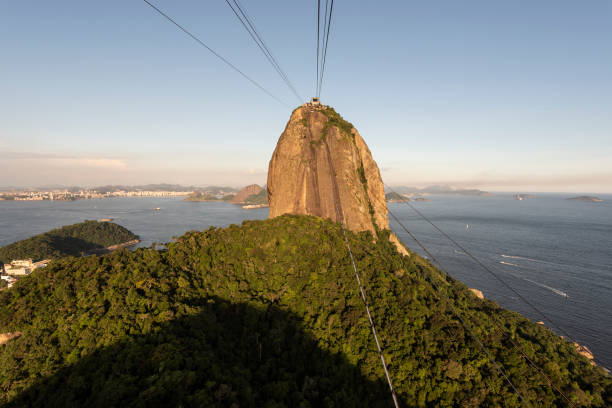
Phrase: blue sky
[511,96]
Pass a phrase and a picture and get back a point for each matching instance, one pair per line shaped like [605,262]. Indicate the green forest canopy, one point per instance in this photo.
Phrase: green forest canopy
[257,199]
[70,240]
[268,314]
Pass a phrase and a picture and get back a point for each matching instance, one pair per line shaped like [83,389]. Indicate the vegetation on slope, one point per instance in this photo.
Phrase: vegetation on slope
[257,199]
[71,240]
[335,119]
[200,196]
[268,314]
[205,196]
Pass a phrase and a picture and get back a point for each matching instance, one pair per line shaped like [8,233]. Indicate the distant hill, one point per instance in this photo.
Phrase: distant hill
[257,199]
[440,189]
[206,196]
[219,189]
[268,314]
[200,196]
[71,240]
[146,187]
[214,190]
[246,192]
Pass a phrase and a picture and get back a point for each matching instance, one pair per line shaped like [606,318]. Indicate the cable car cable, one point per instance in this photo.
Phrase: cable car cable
[216,54]
[325,50]
[486,268]
[318,32]
[322,47]
[336,195]
[250,27]
[493,320]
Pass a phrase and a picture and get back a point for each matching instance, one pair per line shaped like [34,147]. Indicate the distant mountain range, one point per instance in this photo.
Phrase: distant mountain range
[438,189]
[165,187]
[118,187]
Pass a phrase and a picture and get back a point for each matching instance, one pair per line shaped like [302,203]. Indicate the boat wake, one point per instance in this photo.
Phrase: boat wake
[554,290]
[528,259]
[557,291]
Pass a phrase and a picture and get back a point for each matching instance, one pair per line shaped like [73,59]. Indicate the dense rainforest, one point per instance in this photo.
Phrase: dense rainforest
[268,314]
[70,240]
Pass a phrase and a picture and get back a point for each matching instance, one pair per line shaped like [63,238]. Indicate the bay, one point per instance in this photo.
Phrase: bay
[556,253]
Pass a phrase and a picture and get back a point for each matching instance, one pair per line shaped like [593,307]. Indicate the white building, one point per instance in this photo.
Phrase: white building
[22,263]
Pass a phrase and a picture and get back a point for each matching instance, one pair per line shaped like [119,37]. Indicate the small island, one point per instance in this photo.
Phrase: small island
[395,197]
[71,240]
[588,199]
[250,197]
[21,258]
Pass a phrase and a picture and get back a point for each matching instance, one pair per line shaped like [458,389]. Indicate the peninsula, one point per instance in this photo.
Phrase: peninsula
[71,240]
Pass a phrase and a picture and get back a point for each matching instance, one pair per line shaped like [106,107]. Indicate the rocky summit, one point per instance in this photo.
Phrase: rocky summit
[322,166]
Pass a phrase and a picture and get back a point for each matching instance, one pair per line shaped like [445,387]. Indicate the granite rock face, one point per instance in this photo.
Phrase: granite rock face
[243,194]
[322,166]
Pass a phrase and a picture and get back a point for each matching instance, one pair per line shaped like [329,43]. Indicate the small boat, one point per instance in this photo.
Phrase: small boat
[157,209]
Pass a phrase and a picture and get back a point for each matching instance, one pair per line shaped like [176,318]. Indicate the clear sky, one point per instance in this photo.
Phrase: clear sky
[498,95]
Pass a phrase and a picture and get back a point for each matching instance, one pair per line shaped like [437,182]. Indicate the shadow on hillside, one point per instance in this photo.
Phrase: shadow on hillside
[48,247]
[230,355]
[74,246]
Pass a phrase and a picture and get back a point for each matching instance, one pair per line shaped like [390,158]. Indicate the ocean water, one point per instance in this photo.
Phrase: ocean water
[554,252]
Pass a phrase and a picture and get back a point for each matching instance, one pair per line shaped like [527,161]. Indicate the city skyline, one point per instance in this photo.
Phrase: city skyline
[500,97]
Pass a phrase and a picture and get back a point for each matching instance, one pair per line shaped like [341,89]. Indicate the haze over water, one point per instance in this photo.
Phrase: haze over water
[545,248]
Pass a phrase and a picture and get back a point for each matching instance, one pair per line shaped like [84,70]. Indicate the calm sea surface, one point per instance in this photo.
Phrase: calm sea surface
[556,253]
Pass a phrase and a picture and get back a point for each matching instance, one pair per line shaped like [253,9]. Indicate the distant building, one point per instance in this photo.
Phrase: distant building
[22,267]
[22,263]
[314,103]
[40,264]
[18,271]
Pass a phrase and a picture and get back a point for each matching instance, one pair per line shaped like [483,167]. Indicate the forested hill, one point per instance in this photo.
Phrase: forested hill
[268,314]
[70,240]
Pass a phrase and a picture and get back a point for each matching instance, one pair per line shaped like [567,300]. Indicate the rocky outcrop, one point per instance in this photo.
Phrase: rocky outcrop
[6,337]
[585,351]
[478,293]
[322,166]
[246,192]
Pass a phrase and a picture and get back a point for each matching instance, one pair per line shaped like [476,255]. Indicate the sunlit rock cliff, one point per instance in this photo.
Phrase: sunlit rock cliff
[320,160]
